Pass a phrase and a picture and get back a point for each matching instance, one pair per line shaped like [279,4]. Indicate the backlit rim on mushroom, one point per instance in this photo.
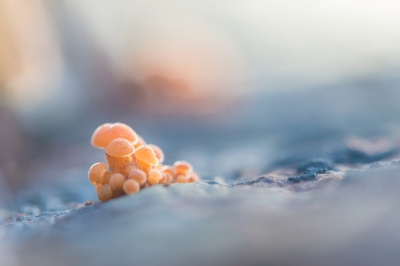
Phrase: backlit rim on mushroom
[158,151]
[131,164]
[147,155]
[120,147]
[107,132]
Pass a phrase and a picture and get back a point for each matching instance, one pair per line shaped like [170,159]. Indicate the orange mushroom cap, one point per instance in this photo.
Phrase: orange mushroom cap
[158,151]
[167,169]
[120,148]
[146,155]
[182,168]
[106,133]
[131,186]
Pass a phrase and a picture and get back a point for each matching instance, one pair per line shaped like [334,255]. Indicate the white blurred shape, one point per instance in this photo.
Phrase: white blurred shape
[188,52]
[30,59]
[285,42]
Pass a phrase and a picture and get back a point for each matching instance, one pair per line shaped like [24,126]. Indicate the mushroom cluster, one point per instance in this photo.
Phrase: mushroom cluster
[132,164]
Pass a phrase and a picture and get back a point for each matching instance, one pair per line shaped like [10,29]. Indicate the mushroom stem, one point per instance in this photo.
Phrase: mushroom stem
[117,164]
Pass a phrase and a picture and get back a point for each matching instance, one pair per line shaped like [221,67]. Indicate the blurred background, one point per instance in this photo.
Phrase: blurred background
[237,88]
[231,86]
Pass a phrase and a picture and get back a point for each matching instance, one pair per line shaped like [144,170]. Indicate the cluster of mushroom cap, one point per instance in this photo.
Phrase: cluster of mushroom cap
[132,164]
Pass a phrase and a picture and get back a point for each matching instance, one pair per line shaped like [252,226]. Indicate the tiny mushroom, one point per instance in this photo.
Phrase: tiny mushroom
[105,193]
[118,154]
[131,186]
[154,177]
[168,169]
[129,167]
[106,133]
[158,151]
[96,173]
[147,155]
[137,175]
[182,168]
[117,181]
[193,177]
[132,165]
[181,179]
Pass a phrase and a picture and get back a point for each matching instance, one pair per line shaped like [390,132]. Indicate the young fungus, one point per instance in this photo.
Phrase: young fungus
[132,165]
